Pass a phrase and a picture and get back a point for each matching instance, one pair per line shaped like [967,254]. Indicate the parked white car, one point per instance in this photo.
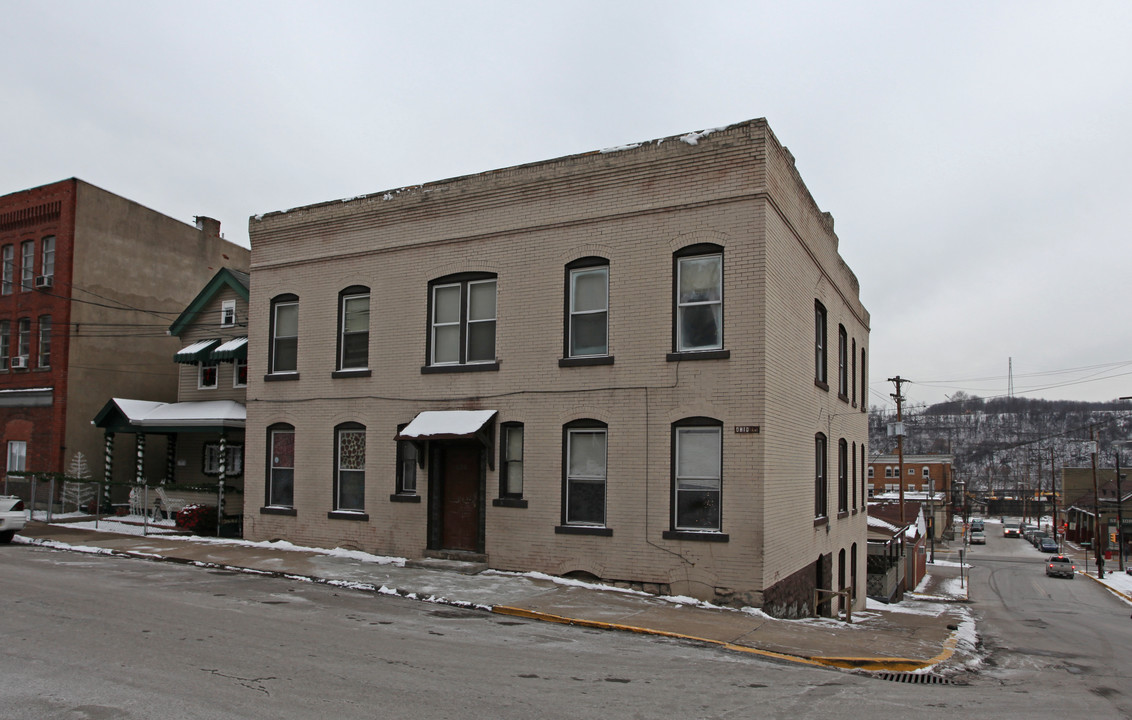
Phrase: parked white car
[12,517]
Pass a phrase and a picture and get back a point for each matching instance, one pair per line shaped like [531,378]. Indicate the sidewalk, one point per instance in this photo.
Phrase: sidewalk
[914,635]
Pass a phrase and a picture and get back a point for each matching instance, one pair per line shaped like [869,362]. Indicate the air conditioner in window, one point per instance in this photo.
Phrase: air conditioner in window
[19,362]
[44,281]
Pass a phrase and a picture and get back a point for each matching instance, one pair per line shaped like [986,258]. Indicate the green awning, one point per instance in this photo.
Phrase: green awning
[234,349]
[197,352]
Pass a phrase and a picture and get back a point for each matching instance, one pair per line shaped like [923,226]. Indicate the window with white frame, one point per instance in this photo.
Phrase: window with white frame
[926,472]
[281,467]
[23,340]
[698,299]
[888,471]
[842,363]
[208,373]
[697,465]
[408,460]
[585,473]
[5,343]
[511,460]
[353,329]
[820,348]
[44,341]
[228,313]
[870,472]
[587,311]
[240,372]
[233,459]
[17,455]
[842,476]
[47,256]
[27,265]
[462,321]
[8,271]
[350,469]
[821,480]
[284,334]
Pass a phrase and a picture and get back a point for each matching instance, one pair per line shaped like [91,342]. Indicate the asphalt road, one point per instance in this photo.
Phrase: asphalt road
[1070,636]
[100,638]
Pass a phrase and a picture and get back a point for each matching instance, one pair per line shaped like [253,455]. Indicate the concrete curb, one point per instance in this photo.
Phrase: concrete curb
[875,664]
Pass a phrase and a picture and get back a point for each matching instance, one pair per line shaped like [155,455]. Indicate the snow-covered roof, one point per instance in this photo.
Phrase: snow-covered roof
[142,414]
[446,424]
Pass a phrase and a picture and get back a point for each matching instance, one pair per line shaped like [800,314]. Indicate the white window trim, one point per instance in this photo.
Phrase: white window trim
[228,313]
[680,306]
[200,375]
[236,372]
[604,270]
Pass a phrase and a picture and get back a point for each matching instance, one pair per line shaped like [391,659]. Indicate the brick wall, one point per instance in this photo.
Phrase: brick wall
[634,208]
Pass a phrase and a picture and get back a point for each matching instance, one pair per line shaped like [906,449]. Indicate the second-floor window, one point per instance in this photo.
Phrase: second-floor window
[284,334]
[208,373]
[842,363]
[462,322]
[228,313]
[820,349]
[353,325]
[587,308]
[699,299]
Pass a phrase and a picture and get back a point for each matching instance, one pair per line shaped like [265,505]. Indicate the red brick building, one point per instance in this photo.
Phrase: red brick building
[89,283]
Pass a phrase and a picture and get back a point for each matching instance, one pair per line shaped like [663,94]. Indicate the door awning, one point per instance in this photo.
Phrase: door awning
[197,352]
[447,425]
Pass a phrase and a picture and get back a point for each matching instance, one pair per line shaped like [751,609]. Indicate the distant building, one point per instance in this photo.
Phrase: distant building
[644,365]
[89,283]
[927,479]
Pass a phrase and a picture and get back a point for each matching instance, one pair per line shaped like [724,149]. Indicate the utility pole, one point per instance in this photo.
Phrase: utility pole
[1053,494]
[1096,513]
[1119,516]
[899,398]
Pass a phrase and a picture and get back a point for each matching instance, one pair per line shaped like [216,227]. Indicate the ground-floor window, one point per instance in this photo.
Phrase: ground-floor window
[281,469]
[585,473]
[350,480]
[697,462]
[408,460]
[17,455]
[233,461]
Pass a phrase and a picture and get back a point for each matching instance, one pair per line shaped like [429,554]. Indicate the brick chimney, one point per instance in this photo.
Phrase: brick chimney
[208,226]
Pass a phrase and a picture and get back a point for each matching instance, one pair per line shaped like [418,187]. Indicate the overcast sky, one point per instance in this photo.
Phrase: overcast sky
[977,157]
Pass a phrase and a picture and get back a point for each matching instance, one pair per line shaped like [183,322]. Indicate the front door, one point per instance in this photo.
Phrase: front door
[460,496]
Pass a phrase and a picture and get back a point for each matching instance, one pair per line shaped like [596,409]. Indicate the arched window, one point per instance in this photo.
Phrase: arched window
[281,466]
[283,351]
[350,467]
[353,328]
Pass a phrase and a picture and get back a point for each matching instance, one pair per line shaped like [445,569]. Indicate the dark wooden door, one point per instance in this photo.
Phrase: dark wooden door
[460,514]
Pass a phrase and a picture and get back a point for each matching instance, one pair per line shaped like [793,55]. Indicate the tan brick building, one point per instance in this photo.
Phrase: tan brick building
[664,352]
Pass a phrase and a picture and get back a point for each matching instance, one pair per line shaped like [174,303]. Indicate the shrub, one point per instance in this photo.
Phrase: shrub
[197,519]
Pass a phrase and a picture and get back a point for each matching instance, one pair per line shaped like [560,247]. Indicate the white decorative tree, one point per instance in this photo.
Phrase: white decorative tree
[79,493]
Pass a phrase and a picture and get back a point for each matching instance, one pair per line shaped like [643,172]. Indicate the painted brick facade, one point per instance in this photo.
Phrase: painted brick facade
[732,193]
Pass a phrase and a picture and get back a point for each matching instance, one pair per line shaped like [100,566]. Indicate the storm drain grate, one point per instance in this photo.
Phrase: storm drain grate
[915,678]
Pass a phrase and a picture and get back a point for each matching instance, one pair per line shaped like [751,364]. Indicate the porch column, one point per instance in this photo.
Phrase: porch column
[107,469]
[170,458]
[139,474]
[223,474]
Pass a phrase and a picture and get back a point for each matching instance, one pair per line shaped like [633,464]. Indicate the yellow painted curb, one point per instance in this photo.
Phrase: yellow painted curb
[845,663]
[1111,589]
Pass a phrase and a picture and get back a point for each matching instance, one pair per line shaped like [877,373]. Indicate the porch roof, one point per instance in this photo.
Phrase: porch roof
[141,416]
